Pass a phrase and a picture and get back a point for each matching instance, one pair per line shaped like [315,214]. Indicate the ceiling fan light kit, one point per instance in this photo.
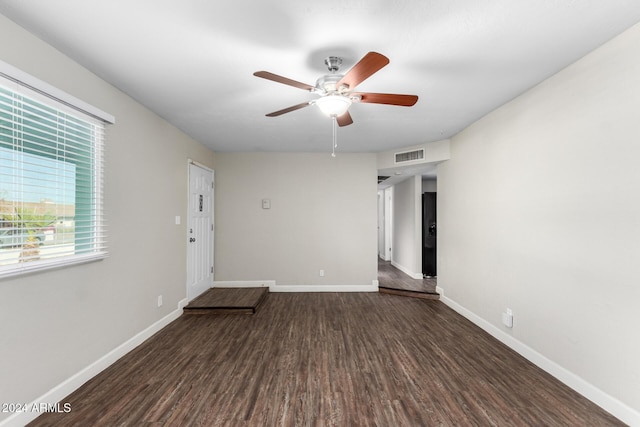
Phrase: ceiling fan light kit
[335,90]
[333,105]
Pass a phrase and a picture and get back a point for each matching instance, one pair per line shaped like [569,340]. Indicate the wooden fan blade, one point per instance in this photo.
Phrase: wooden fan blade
[288,110]
[369,64]
[387,98]
[344,120]
[279,79]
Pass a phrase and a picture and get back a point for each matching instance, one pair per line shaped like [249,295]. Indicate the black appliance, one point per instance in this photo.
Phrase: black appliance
[429,234]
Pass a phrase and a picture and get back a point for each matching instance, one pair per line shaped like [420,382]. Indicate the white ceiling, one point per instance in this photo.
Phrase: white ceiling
[191,61]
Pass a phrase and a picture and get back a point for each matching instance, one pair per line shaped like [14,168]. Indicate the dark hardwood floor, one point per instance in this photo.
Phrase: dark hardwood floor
[326,359]
[390,277]
[227,301]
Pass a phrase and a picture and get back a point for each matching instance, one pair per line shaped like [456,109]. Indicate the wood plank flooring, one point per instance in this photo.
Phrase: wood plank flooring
[326,359]
[390,277]
[228,301]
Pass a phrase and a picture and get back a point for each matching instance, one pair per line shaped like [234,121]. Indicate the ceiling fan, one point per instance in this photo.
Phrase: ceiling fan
[336,90]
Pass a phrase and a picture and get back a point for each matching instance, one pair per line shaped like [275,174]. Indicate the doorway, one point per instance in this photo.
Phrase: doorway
[414,209]
[199,230]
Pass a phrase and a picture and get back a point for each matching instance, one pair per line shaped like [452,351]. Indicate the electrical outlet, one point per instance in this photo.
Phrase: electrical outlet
[321,273]
[159,300]
[507,318]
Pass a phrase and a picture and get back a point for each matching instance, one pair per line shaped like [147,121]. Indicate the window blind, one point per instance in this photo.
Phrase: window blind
[51,190]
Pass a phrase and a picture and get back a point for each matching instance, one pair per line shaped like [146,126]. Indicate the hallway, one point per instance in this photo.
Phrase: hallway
[389,277]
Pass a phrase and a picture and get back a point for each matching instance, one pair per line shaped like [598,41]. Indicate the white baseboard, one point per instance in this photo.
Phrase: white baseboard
[62,390]
[244,284]
[588,390]
[405,270]
[273,287]
[326,288]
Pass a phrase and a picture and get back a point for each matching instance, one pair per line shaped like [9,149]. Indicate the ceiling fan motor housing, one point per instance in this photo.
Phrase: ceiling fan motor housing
[327,84]
[333,63]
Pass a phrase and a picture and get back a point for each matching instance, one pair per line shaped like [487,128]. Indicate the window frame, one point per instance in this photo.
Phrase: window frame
[26,85]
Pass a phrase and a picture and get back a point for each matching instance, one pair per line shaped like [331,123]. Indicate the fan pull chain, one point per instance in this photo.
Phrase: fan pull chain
[335,136]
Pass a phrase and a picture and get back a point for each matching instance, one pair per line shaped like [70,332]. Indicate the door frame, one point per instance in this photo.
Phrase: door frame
[381,215]
[388,224]
[191,162]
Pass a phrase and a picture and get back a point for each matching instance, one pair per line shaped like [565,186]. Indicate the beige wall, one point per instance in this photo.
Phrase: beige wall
[55,323]
[406,253]
[539,211]
[323,215]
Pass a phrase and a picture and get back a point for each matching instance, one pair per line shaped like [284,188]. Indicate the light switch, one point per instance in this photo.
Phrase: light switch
[266,204]
[177,219]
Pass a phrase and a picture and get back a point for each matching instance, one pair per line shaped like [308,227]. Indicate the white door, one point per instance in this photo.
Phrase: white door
[199,231]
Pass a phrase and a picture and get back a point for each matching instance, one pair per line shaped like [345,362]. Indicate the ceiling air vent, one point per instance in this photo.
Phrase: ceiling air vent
[410,156]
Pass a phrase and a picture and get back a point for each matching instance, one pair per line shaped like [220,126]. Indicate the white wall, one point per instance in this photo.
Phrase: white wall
[539,211]
[434,152]
[381,221]
[388,223]
[407,226]
[429,185]
[56,323]
[323,216]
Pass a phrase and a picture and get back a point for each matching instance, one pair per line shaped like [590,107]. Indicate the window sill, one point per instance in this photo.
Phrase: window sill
[9,271]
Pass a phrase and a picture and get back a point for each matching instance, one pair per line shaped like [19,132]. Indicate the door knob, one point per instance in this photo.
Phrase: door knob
[192,239]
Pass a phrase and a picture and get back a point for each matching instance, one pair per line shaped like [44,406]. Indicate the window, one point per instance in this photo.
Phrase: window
[51,204]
